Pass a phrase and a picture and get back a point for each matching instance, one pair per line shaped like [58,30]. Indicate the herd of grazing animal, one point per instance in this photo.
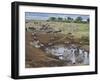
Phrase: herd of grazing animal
[43,28]
[71,54]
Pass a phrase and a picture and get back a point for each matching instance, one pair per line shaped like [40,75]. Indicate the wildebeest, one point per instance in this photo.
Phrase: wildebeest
[48,31]
[57,31]
[32,28]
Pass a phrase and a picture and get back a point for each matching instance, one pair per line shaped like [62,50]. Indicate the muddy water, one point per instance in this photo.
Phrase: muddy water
[70,54]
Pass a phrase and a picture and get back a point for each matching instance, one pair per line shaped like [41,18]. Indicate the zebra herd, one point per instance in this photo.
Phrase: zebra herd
[71,54]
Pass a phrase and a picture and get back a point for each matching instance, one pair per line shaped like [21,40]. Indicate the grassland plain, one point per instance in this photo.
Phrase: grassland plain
[78,29]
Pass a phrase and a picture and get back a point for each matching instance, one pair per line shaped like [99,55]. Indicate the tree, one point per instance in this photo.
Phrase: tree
[88,20]
[52,18]
[69,19]
[78,20]
[60,19]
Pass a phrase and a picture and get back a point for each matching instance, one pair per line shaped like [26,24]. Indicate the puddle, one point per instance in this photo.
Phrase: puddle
[71,54]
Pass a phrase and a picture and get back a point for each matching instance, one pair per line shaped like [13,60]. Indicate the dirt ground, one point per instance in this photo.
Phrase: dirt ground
[36,57]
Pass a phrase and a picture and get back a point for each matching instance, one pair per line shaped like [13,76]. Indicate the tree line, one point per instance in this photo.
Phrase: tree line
[68,19]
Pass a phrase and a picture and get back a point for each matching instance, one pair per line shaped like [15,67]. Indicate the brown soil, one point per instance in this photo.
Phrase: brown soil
[36,57]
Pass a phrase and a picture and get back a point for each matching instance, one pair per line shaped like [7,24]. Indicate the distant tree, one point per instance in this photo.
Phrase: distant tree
[69,19]
[60,19]
[78,20]
[88,20]
[52,18]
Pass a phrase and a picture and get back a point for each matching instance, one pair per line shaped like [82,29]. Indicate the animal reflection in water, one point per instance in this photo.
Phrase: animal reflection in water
[70,54]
